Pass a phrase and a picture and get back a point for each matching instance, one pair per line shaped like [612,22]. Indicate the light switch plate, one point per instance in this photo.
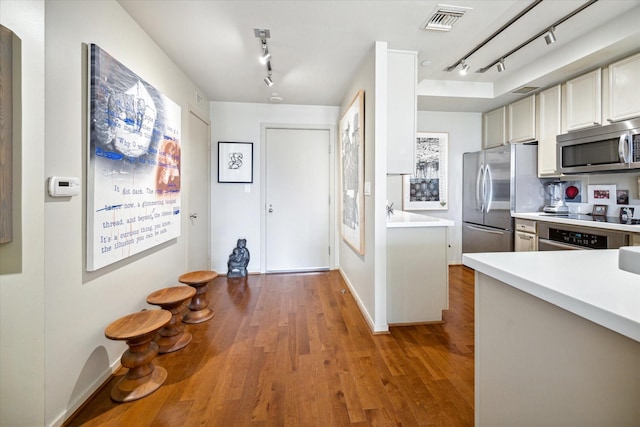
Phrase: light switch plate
[367,188]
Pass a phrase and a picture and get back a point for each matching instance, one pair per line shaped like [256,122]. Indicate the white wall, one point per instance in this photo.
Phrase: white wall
[79,305]
[465,135]
[236,213]
[366,274]
[22,302]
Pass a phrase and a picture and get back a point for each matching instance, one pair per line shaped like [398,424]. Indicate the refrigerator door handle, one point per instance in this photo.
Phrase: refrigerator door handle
[480,188]
[485,230]
[488,192]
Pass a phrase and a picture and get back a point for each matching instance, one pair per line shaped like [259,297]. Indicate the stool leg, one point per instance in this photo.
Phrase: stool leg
[172,336]
[199,310]
[143,377]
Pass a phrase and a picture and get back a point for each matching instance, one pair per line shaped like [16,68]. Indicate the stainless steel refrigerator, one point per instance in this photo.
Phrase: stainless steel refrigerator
[497,182]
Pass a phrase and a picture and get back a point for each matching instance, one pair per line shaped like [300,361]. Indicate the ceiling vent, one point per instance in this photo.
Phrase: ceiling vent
[444,17]
[524,90]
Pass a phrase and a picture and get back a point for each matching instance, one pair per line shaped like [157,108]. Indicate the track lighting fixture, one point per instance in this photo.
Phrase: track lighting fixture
[550,36]
[265,57]
[464,68]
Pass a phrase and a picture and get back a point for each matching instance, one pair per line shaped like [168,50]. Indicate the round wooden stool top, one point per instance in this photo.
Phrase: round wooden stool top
[166,296]
[137,324]
[172,336]
[196,277]
[138,329]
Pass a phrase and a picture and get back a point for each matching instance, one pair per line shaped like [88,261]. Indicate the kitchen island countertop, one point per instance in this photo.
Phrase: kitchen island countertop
[409,219]
[586,283]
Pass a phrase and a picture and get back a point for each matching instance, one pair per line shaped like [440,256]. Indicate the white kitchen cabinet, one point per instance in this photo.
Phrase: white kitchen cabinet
[624,89]
[525,236]
[494,128]
[401,111]
[549,125]
[522,120]
[417,274]
[584,101]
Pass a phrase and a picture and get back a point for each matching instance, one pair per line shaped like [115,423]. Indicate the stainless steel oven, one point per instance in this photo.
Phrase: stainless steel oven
[555,237]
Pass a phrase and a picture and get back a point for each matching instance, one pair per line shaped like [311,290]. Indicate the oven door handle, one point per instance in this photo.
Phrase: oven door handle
[542,242]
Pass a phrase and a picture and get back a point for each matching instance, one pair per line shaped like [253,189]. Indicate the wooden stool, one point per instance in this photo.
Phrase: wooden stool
[172,336]
[198,308]
[138,329]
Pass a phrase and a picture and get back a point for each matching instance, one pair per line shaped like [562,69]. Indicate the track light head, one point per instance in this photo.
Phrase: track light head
[464,68]
[501,66]
[268,81]
[550,36]
[265,57]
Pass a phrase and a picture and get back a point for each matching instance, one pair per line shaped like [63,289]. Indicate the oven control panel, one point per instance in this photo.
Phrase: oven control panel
[587,240]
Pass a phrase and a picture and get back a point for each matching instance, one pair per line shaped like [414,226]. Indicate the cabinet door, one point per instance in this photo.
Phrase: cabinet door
[494,126]
[584,101]
[549,126]
[401,112]
[525,242]
[522,120]
[624,89]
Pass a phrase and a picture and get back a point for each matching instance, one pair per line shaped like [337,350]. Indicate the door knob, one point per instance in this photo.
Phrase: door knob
[193,216]
[270,208]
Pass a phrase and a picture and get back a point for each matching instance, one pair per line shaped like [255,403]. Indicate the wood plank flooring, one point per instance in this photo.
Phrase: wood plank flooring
[293,350]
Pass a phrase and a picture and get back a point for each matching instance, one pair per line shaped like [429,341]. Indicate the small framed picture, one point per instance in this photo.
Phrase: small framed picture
[599,210]
[626,214]
[235,162]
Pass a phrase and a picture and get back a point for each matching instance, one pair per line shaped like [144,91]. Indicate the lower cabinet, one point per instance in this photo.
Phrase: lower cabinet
[417,275]
[525,236]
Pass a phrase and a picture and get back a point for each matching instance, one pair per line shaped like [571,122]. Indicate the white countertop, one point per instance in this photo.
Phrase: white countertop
[409,219]
[540,216]
[587,283]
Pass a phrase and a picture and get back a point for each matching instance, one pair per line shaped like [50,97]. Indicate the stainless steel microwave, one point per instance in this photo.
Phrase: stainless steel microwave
[611,148]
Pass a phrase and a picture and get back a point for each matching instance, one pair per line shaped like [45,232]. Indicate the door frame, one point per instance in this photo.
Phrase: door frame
[263,187]
[208,218]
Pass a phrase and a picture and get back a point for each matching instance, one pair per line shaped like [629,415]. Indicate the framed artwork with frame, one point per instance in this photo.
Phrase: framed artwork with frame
[426,189]
[599,210]
[602,194]
[351,153]
[235,162]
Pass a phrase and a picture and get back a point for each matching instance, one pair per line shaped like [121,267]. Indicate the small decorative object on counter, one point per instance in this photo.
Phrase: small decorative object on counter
[238,260]
[389,210]
[599,210]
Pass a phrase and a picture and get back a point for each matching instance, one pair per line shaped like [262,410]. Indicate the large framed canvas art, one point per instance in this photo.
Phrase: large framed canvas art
[134,163]
[352,173]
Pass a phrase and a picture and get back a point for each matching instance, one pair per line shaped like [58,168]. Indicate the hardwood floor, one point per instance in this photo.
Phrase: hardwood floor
[293,350]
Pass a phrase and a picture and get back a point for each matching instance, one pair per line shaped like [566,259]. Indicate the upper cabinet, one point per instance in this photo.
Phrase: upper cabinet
[494,128]
[549,126]
[584,101]
[522,120]
[624,89]
[401,111]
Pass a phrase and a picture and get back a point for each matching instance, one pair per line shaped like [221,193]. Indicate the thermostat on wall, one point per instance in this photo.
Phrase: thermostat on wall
[64,186]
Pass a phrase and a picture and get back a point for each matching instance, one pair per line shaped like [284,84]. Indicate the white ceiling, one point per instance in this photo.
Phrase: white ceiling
[317,46]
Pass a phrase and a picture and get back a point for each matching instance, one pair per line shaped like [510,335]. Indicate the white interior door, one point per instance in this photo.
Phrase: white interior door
[297,174]
[199,192]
